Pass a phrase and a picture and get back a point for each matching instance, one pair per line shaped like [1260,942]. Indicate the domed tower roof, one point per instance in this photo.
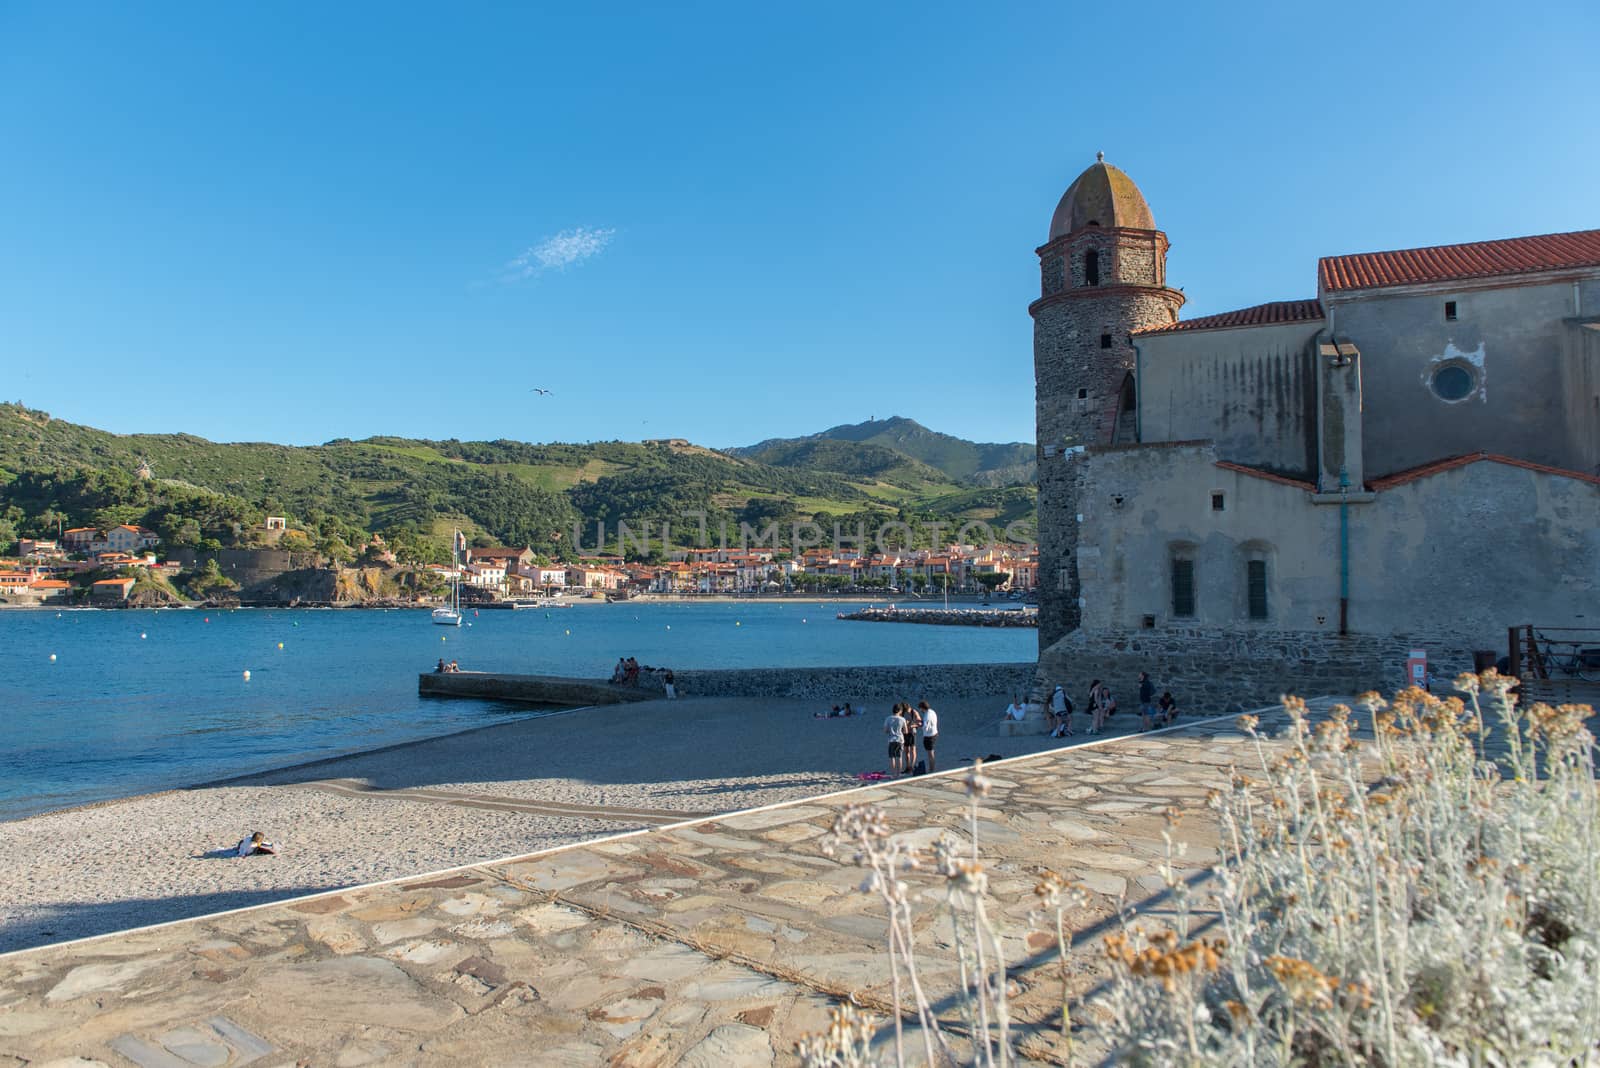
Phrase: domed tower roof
[1101,196]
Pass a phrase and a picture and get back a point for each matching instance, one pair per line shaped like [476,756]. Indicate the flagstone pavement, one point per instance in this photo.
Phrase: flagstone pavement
[710,944]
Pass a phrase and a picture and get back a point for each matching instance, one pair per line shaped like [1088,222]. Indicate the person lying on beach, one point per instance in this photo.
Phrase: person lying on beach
[256,845]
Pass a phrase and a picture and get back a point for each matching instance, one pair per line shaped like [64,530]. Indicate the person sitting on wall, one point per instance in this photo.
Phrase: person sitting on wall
[1016,710]
[631,676]
[452,668]
[620,672]
[440,669]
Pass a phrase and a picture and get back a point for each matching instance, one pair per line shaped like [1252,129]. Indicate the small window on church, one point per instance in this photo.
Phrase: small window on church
[1450,311]
[1105,341]
[1091,268]
[1182,587]
[1083,394]
[1217,502]
[1453,382]
[1256,586]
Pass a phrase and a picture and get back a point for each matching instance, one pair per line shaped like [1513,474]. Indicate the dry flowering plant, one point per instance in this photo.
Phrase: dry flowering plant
[1428,896]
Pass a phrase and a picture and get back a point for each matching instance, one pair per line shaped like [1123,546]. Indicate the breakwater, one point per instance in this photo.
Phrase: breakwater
[959,617]
[824,684]
[551,690]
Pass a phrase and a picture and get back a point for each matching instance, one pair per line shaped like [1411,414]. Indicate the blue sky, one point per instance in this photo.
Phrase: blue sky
[720,221]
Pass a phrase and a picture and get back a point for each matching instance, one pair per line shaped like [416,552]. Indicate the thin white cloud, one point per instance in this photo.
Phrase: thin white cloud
[559,251]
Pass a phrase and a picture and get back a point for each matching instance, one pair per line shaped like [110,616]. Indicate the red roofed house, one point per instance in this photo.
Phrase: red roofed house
[115,590]
[1297,493]
[130,539]
[81,539]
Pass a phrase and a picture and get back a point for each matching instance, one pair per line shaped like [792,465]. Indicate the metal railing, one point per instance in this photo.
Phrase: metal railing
[1555,652]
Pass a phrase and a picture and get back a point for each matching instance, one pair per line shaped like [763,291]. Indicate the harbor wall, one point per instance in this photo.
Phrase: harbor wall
[836,684]
[830,685]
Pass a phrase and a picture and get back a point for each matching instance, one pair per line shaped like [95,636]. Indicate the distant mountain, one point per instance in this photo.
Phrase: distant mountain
[54,473]
[897,446]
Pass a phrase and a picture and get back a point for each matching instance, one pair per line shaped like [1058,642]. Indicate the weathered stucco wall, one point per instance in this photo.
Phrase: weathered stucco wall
[1465,552]
[1513,338]
[1252,391]
[1580,390]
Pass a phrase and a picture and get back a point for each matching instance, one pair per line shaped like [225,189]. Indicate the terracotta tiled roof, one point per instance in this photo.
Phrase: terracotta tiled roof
[1411,474]
[1441,263]
[1256,472]
[1278,311]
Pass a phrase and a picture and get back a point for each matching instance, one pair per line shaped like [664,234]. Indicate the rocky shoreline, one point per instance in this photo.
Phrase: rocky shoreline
[950,617]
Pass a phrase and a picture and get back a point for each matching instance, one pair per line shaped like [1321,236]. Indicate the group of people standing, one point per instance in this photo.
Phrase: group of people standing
[904,723]
[1153,711]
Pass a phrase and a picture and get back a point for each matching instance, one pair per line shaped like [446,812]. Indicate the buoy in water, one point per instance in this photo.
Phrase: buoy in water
[569,634]
[141,635]
[441,637]
[247,676]
[280,645]
[52,658]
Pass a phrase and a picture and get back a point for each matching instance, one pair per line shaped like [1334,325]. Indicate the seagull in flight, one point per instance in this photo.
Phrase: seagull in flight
[542,392]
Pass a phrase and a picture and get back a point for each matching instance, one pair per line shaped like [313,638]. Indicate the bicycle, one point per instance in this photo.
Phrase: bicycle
[1577,660]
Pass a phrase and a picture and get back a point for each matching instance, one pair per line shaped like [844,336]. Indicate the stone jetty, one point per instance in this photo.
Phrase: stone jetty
[958,617]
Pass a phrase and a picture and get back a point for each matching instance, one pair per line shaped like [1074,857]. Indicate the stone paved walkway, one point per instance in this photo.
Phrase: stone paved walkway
[707,945]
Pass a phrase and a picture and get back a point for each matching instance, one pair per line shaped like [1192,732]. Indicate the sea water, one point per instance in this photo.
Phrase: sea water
[102,704]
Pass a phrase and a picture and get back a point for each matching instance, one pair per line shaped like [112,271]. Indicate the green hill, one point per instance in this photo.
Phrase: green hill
[414,491]
[962,462]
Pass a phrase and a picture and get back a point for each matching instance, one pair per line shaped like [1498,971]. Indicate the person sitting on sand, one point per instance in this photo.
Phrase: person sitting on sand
[256,845]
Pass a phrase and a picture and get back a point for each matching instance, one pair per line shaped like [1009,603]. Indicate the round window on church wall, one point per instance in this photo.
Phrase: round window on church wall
[1452,383]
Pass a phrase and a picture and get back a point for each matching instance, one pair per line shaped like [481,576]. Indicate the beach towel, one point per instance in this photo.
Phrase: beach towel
[874,776]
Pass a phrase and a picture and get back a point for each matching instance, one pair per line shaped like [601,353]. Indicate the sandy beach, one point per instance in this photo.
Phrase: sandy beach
[500,791]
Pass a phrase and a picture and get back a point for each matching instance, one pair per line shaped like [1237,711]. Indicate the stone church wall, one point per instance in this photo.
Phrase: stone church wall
[1253,391]
[1465,552]
[1211,670]
[1513,337]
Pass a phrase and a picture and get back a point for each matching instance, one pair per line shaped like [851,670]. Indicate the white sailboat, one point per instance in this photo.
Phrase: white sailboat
[450,615]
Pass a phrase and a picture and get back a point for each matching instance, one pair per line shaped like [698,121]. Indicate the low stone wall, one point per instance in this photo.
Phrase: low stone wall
[854,684]
[960,617]
[1213,671]
[549,690]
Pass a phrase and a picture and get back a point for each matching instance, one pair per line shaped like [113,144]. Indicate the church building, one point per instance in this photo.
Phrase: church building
[1298,494]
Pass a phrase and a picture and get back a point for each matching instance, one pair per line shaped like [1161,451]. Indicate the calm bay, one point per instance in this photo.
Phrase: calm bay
[137,701]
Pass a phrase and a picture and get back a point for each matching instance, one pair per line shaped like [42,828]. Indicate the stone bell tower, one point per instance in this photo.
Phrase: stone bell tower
[1103,275]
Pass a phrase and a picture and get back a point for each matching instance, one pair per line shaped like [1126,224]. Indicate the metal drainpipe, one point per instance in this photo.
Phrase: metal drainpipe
[1344,550]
